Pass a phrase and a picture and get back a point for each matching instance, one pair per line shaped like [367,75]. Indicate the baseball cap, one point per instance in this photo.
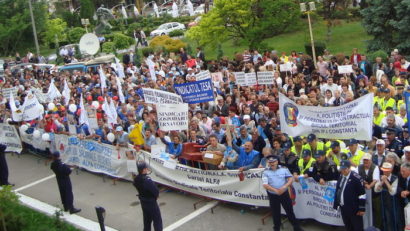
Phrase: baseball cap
[141,166]
[319,153]
[89,97]
[119,129]
[391,130]
[405,128]
[344,164]
[272,158]
[297,138]
[311,137]
[380,142]
[353,141]
[367,156]
[406,149]
[334,144]
[286,146]
[386,167]
[246,117]
[306,153]
[56,154]
[100,98]
[115,98]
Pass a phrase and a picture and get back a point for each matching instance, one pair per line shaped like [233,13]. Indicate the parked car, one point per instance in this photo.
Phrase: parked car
[166,28]
[195,22]
[85,66]
[199,10]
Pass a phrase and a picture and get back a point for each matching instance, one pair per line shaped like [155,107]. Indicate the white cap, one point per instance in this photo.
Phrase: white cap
[246,117]
[396,50]
[406,149]
[380,141]
[367,156]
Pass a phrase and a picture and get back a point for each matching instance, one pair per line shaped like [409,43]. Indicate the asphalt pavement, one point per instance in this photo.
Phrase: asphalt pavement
[123,211]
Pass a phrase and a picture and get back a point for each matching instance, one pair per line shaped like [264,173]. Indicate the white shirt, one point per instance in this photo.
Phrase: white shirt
[378,187]
[344,186]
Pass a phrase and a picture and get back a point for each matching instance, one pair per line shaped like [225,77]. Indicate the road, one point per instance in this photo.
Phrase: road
[123,211]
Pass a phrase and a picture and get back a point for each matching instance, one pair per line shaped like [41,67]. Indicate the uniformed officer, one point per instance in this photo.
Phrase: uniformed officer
[335,153]
[289,159]
[297,147]
[4,170]
[350,197]
[354,153]
[323,170]
[276,181]
[305,163]
[392,143]
[404,136]
[148,195]
[62,172]
[313,144]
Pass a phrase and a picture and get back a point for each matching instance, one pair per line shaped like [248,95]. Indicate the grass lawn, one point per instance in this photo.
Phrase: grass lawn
[344,37]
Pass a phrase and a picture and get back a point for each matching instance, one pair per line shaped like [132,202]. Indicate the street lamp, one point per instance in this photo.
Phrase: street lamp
[312,7]
[34,27]
[85,22]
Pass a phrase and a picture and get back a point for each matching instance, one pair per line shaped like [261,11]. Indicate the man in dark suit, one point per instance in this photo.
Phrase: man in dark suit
[63,172]
[126,59]
[221,107]
[350,197]
[403,189]
[4,170]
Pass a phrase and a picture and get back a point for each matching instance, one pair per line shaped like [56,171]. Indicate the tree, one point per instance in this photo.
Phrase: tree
[401,24]
[16,32]
[55,30]
[87,9]
[248,20]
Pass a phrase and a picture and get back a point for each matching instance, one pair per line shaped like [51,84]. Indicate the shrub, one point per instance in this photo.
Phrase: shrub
[146,51]
[170,45]
[379,53]
[74,34]
[122,41]
[108,47]
[176,33]
[319,48]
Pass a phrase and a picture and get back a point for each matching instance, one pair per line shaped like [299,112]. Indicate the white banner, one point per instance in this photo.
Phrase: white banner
[203,75]
[157,96]
[351,120]
[345,69]
[172,116]
[265,78]
[7,91]
[245,79]
[285,67]
[10,138]
[42,97]
[310,199]
[30,110]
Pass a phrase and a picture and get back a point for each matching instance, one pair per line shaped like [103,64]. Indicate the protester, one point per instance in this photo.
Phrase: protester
[4,170]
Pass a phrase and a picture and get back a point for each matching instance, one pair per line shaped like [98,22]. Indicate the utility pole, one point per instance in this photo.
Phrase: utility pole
[34,27]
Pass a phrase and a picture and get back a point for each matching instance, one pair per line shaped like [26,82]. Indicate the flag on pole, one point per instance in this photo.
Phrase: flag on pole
[119,88]
[83,113]
[53,92]
[103,79]
[66,93]
[120,68]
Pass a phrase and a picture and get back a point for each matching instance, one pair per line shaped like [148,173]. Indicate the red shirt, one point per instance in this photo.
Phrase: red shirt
[50,127]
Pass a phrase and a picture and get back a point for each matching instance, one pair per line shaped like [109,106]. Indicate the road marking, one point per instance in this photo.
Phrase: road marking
[191,216]
[77,221]
[34,183]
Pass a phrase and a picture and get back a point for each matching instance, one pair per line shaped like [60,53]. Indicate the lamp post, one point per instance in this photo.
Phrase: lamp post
[312,7]
[34,27]
[85,22]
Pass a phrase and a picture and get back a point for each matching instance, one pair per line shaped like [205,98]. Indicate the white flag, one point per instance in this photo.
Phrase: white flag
[16,113]
[53,92]
[120,68]
[120,94]
[103,79]
[124,12]
[156,10]
[136,12]
[66,92]
[83,113]
[190,8]
[175,10]
[111,119]
[151,67]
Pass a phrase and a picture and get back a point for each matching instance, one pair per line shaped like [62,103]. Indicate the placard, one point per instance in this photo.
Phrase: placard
[172,116]
[265,78]
[203,75]
[285,67]
[196,92]
[345,69]
[157,96]
[7,91]
[209,155]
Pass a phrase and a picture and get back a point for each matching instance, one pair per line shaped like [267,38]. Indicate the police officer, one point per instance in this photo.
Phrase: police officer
[323,170]
[404,136]
[335,153]
[289,159]
[297,147]
[62,172]
[148,195]
[4,170]
[392,143]
[305,163]
[350,197]
[354,153]
[313,144]
[276,181]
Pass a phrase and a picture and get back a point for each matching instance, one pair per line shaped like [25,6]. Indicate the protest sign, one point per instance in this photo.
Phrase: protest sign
[203,75]
[245,79]
[42,97]
[265,78]
[157,96]
[285,67]
[196,92]
[30,110]
[345,69]
[10,138]
[172,116]
[7,91]
[351,120]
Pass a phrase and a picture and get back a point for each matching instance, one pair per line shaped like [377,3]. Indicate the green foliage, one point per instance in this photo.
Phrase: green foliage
[169,44]
[19,217]
[380,53]
[77,52]
[16,32]
[401,25]
[74,34]
[249,20]
[87,9]
[176,33]
[72,20]
[55,31]
[220,52]
[122,41]
[108,47]
[319,48]
[264,46]
[146,51]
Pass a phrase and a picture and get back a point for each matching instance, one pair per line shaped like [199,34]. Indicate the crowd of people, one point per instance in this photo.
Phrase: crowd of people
[242,125]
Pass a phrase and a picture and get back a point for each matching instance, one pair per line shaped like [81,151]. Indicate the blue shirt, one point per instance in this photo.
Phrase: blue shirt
[276,178]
